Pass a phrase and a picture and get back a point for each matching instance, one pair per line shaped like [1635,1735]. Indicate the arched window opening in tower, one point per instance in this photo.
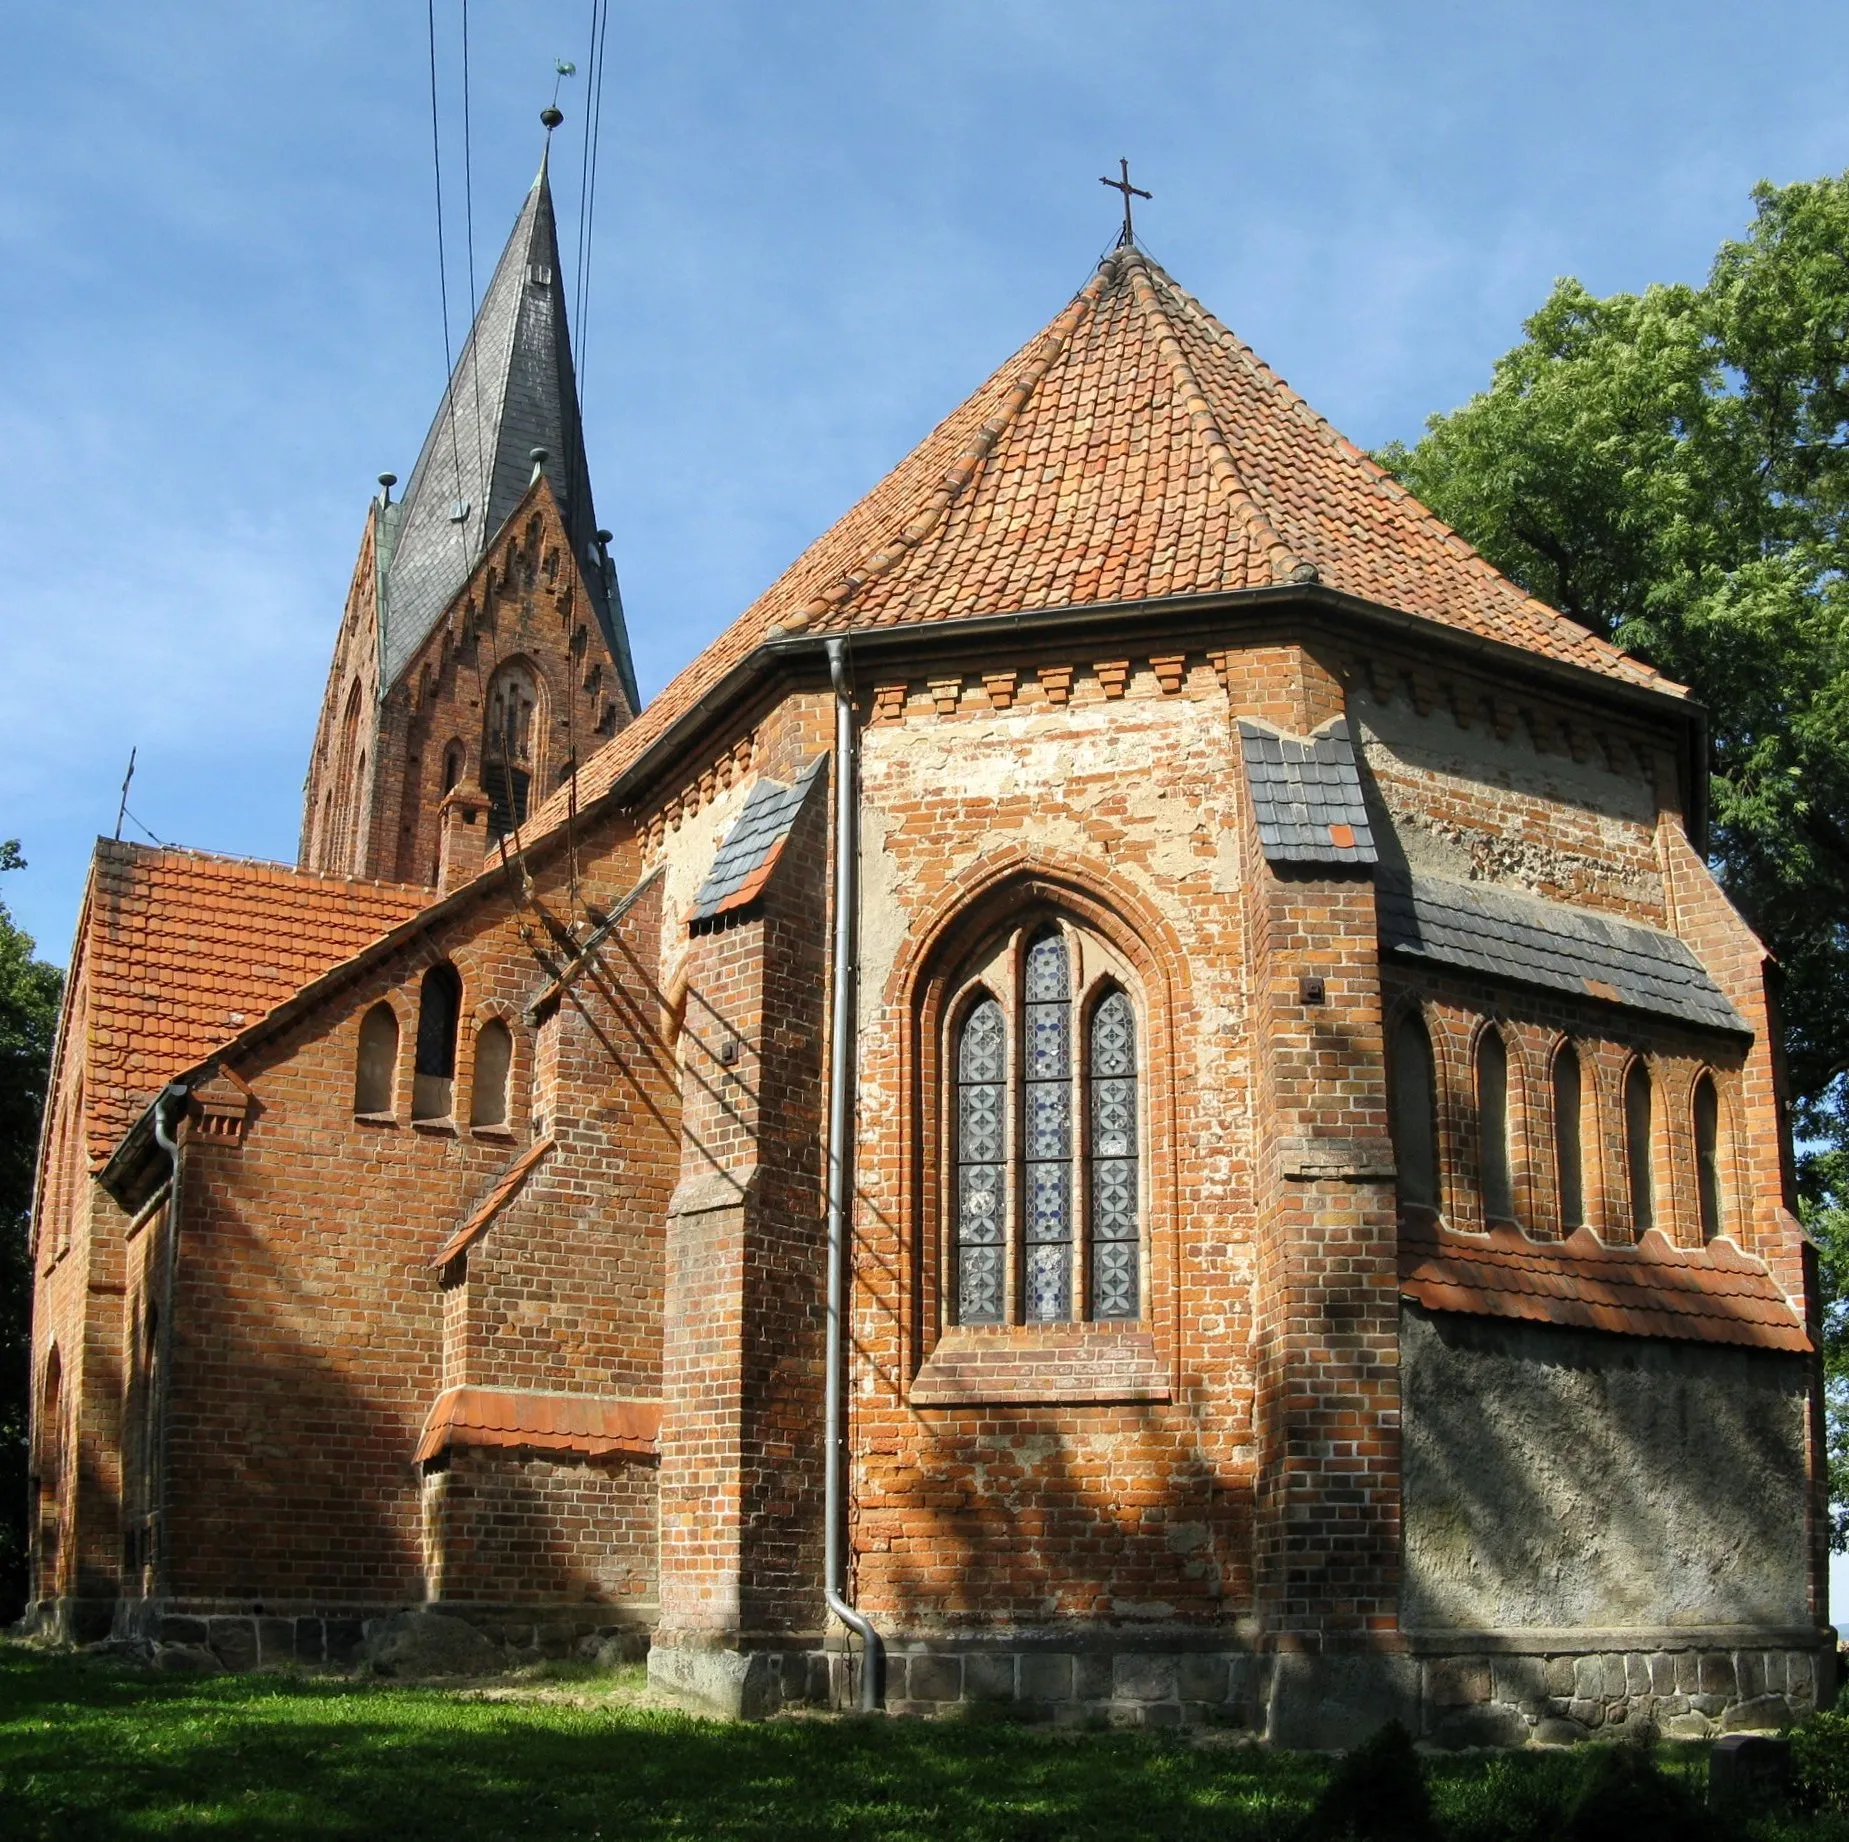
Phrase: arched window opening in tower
[438,1012]
[1569,1168]
[1707,1110]
[1638,1108]
[1415,1131]
[1493,1127]
[375,1075]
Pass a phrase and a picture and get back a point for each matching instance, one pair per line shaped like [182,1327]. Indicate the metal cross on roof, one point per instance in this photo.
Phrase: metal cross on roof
[1129,191]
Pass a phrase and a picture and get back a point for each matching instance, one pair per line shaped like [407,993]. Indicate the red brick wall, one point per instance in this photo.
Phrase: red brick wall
[506,1528]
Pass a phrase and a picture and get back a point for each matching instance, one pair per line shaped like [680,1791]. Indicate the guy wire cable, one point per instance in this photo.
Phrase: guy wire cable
[436,159]
[468,207]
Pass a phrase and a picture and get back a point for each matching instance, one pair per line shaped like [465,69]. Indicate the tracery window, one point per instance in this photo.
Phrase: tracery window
[1046,1179]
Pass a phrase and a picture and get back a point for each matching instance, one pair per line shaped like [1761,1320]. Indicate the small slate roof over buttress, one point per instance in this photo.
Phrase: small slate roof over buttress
[1133,449]
[512,391]
[749,853]
[179,948]
[1306,794]
[1534,942]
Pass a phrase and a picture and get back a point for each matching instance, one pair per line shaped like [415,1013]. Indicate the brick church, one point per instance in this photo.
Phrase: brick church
[1132,1096]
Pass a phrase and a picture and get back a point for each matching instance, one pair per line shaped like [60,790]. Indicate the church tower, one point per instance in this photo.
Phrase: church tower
[482,653]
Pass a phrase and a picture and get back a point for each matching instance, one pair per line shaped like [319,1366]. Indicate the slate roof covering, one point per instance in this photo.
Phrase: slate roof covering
[1306,795]
[748,855]
[1134,448]
[512,391]
[178,948]
[1712,1294]
[590,1425]
[481,1217]
[1535,942]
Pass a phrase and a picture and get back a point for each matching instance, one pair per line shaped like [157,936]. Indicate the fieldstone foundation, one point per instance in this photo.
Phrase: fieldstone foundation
[1505,1698]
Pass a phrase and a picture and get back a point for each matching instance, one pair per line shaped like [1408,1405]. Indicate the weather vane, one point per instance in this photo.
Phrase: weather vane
[1129,191]
[551,114]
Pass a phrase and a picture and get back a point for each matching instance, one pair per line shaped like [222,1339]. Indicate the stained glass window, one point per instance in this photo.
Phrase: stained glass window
[1114,1230]
[1031,1245]
[981,1165]
[1047,1114]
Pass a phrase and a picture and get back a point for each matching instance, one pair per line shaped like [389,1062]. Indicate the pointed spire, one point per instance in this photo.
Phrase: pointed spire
[512,391]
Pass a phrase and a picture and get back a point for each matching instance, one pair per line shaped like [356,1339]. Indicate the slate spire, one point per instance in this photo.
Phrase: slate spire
[512,391]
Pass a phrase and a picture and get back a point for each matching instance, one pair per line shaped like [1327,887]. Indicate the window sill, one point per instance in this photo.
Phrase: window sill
[375,1119]
[494,1135]
[1028,1364]
[435,1128]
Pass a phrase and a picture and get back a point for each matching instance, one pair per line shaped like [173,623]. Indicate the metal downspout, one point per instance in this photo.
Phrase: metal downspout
[840,1140]
[166,1137]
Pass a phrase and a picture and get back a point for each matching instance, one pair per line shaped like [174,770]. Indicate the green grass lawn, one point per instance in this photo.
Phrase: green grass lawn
[89,1750]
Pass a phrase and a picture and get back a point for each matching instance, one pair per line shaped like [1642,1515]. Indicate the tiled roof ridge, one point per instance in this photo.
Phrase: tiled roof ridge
[1220,463]
[967,466]
[129,850]
[1211,326]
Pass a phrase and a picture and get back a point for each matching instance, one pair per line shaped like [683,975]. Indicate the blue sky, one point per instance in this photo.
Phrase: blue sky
[819,226]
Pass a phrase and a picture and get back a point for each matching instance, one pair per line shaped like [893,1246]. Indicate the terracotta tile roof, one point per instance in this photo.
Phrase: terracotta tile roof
[1134,449]
[1712,1294]
[506,1188]
[588,1425]
[181,948]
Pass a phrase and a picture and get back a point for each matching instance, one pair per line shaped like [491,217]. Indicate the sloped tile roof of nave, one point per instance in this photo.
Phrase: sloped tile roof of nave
[178,943]
[1135,448]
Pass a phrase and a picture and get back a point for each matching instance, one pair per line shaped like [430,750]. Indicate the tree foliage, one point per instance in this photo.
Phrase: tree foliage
[29,995]
[1671,469]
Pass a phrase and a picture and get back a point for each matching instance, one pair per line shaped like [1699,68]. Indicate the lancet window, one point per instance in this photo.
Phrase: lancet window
[1046,1162]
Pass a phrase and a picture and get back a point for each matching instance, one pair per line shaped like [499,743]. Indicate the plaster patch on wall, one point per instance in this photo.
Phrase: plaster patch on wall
[1562,1478]
[1466,804]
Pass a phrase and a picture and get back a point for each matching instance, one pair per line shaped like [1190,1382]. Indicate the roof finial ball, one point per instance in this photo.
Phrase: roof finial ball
[538,457]
[388,481]
[550,117]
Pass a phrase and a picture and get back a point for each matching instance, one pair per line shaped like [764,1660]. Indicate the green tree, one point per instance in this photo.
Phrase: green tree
[29,995]
[1671,469]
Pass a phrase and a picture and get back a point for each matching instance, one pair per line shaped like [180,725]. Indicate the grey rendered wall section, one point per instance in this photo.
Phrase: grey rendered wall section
[1567,1479]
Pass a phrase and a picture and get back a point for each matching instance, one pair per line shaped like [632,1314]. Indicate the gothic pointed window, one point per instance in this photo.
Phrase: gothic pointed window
[1046,1217]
